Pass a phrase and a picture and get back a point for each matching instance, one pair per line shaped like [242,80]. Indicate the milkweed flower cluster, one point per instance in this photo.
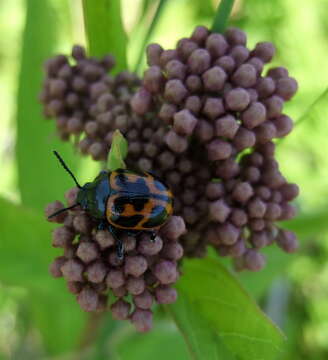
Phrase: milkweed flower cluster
[204,118]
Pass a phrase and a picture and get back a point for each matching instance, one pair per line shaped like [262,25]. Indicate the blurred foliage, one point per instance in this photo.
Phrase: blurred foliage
[39,319]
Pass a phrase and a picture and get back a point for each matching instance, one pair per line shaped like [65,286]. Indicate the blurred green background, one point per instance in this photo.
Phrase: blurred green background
[38,318]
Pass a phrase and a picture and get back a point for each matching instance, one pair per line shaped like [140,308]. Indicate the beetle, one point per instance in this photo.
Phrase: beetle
[124,202]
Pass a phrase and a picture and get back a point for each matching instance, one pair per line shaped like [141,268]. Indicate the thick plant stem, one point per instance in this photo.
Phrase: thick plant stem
[222,15]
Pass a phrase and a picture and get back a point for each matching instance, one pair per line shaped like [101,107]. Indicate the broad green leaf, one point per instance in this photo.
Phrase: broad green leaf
[201,341]
[25,255]
[118,152]
[104,30]
[222,16]
[210,294]
[40,177]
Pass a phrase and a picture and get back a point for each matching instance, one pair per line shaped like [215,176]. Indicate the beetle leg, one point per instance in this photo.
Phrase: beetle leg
[102,225]
[153,235]
[119,243]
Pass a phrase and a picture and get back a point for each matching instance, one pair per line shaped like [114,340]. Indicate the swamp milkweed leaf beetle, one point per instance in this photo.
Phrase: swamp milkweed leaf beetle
[123,201]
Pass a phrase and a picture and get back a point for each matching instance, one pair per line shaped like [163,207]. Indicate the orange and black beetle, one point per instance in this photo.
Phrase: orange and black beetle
[124,201]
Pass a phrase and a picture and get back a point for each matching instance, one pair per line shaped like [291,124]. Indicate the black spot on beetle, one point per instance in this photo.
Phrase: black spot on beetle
[127,221]
[157,217]
[139,203]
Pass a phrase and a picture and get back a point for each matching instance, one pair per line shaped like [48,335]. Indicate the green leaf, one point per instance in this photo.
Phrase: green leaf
[25,255]
[222,16]
[316,110]
[151,28]
[104,30]
[118,152]
[216,316]
[40,177]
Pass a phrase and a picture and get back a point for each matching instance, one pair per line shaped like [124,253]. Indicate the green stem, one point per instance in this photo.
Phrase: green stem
[149,33]
[104,30]
[222,15]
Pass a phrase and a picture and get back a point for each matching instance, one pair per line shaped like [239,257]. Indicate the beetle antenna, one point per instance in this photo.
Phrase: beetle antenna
[67,169]
[62,210]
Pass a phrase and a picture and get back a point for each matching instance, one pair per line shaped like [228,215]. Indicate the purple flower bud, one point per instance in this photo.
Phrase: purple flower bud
[87,251]
[256,208]
[115,278]
[213,108]
[286,87]
[227,169]
[240,54]
[120,291]
[253,260]
[226,126]
[244,139]
[237,249]
[88,299]
[227,63]
[265,87]
[154,52]
[96,272]
[254,115]
[228,233]
[214,79]
[153,79]
[194,83]
[72,270]
[74,287]
[200,34]
[175,69]
[142,320]
[120,310]
[166,272]
[144,300]
[214,191]
[135,285]
[287,241]
[149,248]
[55,267]
[278,72]
[218,150]
[199,61]
[166,56]
[82,223]
[175,142]
[237,99]
[265,51]
[238,217]
[204,130]
[175,91]
[242,192]
[219,211]
[172,251]
[184,122]
[141,101]
[289,191]
[135,265]
[245,76]
[235,36]
[62,237]
[165,294]
[216,45]
[104,239]
[174,228]
[274,106]
[283,125]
